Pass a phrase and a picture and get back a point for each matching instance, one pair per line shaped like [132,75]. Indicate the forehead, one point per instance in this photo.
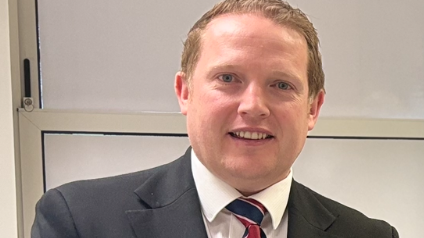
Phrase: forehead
[253,26]
[251,40]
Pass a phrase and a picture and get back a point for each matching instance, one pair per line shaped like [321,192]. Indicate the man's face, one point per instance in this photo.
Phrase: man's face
[248,110]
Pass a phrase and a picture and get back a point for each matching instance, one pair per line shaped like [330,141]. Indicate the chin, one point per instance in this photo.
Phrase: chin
[248,171]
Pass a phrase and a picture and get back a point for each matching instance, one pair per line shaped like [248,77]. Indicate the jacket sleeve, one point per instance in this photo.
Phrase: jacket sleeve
[53,218]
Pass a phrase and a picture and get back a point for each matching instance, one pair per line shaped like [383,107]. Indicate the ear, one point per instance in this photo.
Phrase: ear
[314,109]
[182,91]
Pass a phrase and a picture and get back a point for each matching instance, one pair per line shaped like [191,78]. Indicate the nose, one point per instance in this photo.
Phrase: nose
[253,103]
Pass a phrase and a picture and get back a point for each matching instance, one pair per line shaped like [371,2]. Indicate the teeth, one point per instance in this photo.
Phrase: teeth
[251,135]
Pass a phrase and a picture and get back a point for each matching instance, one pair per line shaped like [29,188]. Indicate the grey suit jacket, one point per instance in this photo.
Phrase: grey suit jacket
[163,202]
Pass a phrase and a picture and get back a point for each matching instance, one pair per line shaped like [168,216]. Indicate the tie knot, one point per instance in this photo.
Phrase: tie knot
[248,211]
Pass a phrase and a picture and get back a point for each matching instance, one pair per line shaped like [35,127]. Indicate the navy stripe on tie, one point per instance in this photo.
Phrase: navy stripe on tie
[245,209]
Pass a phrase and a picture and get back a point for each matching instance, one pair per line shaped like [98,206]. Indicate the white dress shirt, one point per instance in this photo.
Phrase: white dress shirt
[215,195]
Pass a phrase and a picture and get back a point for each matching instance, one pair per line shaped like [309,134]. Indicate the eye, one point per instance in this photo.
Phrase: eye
[283,85]
[228,78]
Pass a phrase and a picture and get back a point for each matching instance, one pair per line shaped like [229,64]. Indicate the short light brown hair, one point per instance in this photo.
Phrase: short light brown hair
[279,12]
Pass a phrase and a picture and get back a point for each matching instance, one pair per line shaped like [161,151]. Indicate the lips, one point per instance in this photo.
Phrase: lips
[249,135]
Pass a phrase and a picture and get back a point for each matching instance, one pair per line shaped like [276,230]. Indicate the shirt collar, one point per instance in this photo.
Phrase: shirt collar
[215,194]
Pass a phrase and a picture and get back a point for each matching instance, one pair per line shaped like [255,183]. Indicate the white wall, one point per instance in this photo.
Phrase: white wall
[8,209]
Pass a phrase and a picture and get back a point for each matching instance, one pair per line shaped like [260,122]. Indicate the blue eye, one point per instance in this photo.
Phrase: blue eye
[228,78]
[282,85]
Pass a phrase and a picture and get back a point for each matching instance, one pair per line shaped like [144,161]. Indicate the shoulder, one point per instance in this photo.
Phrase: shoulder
[118,189]
[108,188]
[88,208]
[347,219]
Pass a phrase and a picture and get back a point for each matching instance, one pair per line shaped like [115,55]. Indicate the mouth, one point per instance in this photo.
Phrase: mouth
[247,135]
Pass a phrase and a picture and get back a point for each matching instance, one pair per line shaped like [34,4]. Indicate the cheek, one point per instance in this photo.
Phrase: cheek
[292,119]
[293,111]
[217,103]
[300,109]
[204,114]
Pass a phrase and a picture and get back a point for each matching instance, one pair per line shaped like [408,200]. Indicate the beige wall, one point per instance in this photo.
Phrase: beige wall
[8,208]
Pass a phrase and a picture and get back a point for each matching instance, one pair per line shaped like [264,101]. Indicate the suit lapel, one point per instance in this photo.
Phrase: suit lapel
[171,201]
[308,218]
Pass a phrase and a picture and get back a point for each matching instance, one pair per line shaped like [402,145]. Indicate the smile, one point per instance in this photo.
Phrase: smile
[250,135]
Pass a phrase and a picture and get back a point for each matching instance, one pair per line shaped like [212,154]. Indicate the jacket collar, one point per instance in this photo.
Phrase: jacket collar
[172,204]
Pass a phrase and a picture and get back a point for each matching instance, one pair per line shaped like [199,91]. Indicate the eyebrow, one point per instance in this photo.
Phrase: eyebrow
[220,67]
[223,67]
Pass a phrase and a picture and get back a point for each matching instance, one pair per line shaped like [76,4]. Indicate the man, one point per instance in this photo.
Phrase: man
[251,86]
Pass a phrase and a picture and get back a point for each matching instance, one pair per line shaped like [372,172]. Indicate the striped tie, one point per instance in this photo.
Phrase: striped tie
[251,213]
